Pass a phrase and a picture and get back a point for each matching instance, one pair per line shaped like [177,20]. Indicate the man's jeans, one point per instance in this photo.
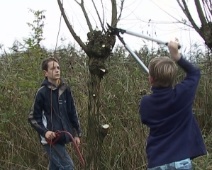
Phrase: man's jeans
[59,158]
[179,165]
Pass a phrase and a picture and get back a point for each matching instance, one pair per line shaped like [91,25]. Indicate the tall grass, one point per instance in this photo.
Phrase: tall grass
[124,146]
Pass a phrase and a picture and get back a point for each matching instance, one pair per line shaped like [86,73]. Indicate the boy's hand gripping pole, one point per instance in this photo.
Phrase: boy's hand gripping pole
[116,31]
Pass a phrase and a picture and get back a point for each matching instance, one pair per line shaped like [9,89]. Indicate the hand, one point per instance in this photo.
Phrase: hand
[50,135]
[77,140]
[173,49]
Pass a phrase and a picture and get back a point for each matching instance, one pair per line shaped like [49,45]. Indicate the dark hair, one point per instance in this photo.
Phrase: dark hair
[45,62]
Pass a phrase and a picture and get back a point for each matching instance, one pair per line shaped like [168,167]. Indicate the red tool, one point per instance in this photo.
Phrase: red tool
[58,134]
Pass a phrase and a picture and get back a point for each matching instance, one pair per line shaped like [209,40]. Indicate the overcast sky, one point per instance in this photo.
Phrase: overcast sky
[155,18]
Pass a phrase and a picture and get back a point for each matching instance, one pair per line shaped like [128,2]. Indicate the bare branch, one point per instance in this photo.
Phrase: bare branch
[85,14]
[114,19]
[121,9]
[77,38]
[207,9]
[77,2]
[200,12]
[209,6]
[103,13]
[102,24]
[186,11]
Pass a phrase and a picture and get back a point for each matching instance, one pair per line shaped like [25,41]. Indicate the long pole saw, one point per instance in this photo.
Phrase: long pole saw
[116,31]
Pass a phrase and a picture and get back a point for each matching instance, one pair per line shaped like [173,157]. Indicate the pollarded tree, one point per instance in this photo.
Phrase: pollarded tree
[98,48]
[204,10]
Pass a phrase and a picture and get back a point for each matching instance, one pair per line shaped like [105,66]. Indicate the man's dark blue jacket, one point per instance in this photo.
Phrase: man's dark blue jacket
[54,110]
[174,133]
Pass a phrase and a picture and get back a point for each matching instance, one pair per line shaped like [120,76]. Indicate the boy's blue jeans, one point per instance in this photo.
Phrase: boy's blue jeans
[179,165]
[59,158]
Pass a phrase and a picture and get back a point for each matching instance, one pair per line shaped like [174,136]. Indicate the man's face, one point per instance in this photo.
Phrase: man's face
[53,72]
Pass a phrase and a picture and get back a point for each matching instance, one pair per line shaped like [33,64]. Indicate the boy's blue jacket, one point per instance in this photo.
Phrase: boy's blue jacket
[54,110]
[174,133]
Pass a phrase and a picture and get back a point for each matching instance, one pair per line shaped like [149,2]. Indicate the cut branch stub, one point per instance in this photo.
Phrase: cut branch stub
[104,131]
[96,67]
[100,45]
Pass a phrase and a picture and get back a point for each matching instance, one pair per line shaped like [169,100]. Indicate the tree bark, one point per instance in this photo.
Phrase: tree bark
[94,142]
[98,48]
[205,30]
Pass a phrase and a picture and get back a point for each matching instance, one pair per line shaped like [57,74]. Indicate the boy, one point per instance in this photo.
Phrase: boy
[174,138]
[54,110]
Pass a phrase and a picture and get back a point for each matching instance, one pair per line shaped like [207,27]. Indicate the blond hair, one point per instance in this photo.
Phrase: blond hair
[163,71]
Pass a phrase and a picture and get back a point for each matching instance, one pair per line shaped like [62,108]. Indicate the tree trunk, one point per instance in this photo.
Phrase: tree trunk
[100,46]
[94,136]
[93,123]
